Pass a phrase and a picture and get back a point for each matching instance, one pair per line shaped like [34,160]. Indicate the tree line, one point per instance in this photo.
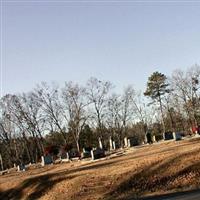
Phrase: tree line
[79,115]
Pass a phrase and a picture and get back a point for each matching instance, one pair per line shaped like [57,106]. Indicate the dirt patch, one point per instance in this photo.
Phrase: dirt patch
[151,169]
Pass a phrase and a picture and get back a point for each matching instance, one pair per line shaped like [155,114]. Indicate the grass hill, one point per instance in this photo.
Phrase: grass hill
[129,174]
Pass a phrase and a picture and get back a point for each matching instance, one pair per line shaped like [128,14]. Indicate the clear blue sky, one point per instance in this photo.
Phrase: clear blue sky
[120,42]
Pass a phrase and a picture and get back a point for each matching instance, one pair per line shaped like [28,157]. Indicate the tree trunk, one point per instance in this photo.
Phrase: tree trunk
[162,115]
[78,146]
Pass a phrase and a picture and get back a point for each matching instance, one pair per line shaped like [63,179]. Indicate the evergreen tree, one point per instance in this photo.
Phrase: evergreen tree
[157,87]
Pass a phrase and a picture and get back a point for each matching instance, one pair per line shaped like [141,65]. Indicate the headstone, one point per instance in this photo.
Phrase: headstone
[174,135]
[111,143]
[42,162]
[149,138]
[66,158]
[168,136]
[46,160]
[21,167]
[114,145]
[1,162]
[92,154]
[63,154]
[100,144]
[158,137]
[67,155]
[125,142]
[154,138]
[73,153]
[98,153]
[133,141]
[129,143]
[177,136]
[86,152]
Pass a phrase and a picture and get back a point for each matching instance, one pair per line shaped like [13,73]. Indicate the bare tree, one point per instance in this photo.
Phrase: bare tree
[97,93]
[186,90]
[127,108]
[143,112]
[121,113]
[75,101]
[13,124]
[6,140]
[113,117]
[48,98]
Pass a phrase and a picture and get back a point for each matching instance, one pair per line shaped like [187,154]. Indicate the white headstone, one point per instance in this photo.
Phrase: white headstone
[92,154]
[114,146]
[174,135]
[154,138]
[1,161]
[42,163]
[67,155]
[111,144]
[196,133]
[129,143]
[100,144]
[125,142]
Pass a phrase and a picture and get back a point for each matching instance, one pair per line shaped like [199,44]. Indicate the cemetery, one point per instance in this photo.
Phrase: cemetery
[111,165]
[99,99]
[56,154]
[100,170]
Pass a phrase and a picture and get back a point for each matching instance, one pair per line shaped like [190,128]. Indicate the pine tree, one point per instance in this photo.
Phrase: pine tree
[157,87]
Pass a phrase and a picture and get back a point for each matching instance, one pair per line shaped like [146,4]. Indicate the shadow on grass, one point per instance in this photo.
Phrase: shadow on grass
[41,184]
[192,194]
[150,179]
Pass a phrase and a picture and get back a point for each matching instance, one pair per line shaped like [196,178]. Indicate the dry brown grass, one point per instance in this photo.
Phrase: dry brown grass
[151,169]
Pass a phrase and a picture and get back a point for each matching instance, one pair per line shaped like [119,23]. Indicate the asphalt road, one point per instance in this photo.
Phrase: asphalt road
[189,195]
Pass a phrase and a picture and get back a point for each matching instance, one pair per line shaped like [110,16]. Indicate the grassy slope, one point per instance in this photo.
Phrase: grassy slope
[149,170]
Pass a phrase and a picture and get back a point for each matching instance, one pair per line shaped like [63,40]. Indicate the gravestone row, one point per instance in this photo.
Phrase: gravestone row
[100,152]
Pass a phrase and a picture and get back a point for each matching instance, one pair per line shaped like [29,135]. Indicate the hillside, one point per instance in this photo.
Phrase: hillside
[136,172]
